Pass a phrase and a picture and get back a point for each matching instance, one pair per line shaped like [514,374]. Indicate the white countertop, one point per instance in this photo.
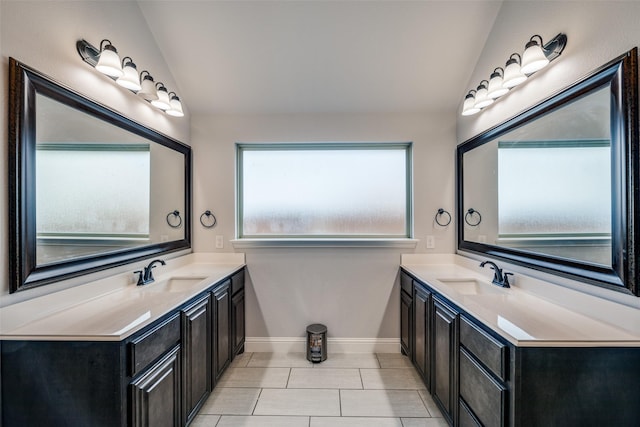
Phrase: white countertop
[520,316]
[115,308]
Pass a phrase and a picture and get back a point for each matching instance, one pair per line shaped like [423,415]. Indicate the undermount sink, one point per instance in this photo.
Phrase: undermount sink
[468,286]
[175,284]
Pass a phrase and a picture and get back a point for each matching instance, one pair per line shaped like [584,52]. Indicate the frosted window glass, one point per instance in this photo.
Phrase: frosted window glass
[554,190]
[109,192]
[314,191]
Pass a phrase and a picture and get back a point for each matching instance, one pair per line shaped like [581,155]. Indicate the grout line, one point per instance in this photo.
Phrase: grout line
[288,378]
[256,404]
[378,360]
[361,380]
[340,400]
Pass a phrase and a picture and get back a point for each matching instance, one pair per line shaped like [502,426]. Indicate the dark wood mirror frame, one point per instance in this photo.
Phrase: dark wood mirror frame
[24,273]
[624,273]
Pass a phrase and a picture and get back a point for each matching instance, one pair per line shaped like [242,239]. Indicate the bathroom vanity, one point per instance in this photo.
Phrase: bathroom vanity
[124,355]
[494,356]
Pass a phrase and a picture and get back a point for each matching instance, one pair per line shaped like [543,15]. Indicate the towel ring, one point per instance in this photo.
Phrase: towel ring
[208,215]
[439,214]
[470,214]
[176,214]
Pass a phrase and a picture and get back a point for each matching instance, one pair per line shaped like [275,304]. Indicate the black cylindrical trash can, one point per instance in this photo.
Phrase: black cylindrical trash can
[316,343]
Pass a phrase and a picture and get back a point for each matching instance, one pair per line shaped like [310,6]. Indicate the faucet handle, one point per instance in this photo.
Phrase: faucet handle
[140,277]
[506,279]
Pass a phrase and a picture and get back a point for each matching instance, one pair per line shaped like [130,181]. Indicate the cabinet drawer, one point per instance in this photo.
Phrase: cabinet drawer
[466,418]
[484,347]
[406,283]
[237,282]
[485,397]
[148,347]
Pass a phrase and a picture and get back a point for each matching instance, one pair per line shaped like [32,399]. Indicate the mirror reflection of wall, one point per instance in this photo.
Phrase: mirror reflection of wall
[545,187]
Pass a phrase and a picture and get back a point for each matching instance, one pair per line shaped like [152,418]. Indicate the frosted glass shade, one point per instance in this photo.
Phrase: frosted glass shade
[533,58]
[109,62]
[469,108]
[512,74]
[148,90]
[130,78]
[482,97]
[496,89]
[175,107]
[163,99]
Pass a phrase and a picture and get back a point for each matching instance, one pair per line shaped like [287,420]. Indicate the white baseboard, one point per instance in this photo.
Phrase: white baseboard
[334,345]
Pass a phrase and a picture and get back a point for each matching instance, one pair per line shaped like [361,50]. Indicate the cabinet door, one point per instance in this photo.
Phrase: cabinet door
[421,335]
[156,394]
[405,323]
[237,322]
[196,349]
[221,329]
[444,358]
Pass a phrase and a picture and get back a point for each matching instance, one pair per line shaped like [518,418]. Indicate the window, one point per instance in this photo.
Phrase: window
[331,190]
[111,199]
[557,189]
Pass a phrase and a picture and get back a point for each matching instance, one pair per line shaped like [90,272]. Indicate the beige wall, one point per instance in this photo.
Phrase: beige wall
[42,34]
[351,290]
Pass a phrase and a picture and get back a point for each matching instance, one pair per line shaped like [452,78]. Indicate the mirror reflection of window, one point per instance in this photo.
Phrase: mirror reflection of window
[554,194]
[90,197]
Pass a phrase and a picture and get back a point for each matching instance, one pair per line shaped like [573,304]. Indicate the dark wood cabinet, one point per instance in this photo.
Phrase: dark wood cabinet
[221,329]
[159,376]
[444,358]
[479,379]
[406,303]
[156,394]
[421,333]
[196,349]
[237,313]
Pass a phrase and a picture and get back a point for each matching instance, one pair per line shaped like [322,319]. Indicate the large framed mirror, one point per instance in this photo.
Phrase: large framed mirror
[556,187]
[89,189]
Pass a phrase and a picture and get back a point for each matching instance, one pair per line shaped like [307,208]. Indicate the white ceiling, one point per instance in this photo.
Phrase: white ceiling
[320,56]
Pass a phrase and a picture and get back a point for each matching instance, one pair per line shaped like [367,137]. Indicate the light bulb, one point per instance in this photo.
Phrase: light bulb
[109,61]
[130,78]
[533,58]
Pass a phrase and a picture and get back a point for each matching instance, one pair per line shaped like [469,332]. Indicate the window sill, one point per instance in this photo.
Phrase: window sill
[324,243]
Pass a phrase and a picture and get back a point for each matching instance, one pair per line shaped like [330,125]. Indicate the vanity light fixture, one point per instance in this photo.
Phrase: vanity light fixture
[517,70]
[109,61]
[513,74]
[469,108]
[148,89]
[163,97]
[482,95]
[125,73]
[130,78]
[496,88]
[175,106]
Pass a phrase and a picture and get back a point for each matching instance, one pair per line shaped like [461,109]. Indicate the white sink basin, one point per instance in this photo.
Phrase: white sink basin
[175,284]
[467,286]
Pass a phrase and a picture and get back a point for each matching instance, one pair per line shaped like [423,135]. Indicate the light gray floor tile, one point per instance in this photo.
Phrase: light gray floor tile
[349,360]
[262,421]
[430,404]
[205,421]
[255,377]
[279,360]
[424,422]
[298,402]
[241,360]
[394,360]
[391,379]
[324,378]
[354,422]
[382,403]
[238,401]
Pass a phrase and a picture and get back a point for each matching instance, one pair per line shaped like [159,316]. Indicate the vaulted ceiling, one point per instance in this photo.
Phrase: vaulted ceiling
[320,56]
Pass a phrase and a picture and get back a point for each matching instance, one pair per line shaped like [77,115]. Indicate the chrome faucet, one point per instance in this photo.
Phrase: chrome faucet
[499,278]
[146,274]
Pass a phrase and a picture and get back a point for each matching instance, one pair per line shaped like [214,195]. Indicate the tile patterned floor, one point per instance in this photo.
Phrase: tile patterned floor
[346,390]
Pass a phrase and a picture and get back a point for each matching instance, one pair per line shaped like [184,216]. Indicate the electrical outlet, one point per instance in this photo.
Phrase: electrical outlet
[164,238]
[431,242]
[482,238]
[219,242]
